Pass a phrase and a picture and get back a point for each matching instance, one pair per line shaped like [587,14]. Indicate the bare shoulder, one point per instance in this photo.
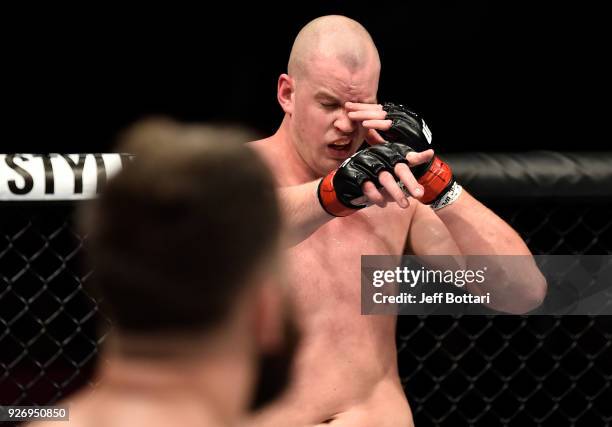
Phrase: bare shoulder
[261,145]
[79,406]
[265,148]
[50,424]
[268,152]
[71,422]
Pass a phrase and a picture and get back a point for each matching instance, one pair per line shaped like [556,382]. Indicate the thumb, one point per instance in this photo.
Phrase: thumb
[372,137]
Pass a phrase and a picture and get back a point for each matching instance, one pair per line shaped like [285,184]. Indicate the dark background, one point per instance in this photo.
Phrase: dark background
[492,78]
[503,78]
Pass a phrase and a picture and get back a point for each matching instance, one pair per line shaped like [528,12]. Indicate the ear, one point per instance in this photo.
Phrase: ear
[285,93]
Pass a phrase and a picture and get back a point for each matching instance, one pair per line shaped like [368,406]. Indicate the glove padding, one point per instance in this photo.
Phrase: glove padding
[341,186]
[408,128]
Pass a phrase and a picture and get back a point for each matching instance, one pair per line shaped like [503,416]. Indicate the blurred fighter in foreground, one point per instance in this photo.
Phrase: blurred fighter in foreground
[192,286]
[341,203]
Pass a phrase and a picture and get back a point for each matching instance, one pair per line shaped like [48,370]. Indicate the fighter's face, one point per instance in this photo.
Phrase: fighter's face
[322,132]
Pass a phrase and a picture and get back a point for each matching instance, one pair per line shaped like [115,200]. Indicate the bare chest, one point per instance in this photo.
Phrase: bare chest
[330,259]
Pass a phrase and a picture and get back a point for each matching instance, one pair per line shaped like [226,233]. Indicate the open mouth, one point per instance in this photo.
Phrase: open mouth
[340,147]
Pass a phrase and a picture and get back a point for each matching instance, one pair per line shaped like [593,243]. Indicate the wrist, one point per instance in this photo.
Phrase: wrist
[437,180]
[449,197]
[329,199]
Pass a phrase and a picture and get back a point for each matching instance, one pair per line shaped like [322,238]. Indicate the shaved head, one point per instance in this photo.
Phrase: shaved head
[333,61]
[332,37]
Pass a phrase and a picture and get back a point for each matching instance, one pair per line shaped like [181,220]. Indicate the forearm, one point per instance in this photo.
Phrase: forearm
[301,211]
[515,282]
[479,231]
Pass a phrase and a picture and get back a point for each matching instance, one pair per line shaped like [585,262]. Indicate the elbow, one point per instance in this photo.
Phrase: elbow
[530,295]
[514,295]
[535,294]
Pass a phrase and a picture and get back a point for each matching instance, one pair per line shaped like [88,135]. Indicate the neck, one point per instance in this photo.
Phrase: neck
[294,170]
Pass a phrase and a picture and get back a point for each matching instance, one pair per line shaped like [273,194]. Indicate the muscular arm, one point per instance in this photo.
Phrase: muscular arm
[301,211]
[479,231]
[467,227]
[301,207]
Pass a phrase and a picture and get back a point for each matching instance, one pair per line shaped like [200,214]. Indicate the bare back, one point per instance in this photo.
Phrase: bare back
[124,408]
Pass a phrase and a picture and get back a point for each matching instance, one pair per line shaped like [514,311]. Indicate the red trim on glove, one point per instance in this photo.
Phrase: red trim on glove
[436,180]
[329,200]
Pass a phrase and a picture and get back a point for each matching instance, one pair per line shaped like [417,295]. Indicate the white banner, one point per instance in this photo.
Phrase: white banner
[31,177]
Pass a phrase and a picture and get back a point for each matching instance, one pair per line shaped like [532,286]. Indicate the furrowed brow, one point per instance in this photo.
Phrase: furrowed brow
[326,96]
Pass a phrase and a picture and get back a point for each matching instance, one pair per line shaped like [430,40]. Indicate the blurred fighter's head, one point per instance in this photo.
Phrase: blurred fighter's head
[185,245]
[333,60]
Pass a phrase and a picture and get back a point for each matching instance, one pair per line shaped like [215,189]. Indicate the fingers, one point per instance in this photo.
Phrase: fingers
[415,158]
[394,191]
[406,180]
[377,124]
[392,188]
[362,115]
[373,195]
[359,106]
[370,115]
[372,137]
[388,182]
[402,171]
[390,191]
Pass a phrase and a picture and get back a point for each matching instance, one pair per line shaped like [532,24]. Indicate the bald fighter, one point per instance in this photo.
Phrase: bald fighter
[201,328]
[391,198]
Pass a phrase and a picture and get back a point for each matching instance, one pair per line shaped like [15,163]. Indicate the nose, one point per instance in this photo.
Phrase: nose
[343,123]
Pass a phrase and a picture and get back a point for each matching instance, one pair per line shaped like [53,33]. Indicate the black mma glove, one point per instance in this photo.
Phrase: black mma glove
[341,186]
[409,129]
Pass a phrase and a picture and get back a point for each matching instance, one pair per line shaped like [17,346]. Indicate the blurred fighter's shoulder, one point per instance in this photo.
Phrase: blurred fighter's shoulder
[272,154]
[127,409]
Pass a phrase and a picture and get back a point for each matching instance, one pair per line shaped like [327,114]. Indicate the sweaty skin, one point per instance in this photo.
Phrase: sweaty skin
[140,392]
[345,373]
[346,368]
[154,402]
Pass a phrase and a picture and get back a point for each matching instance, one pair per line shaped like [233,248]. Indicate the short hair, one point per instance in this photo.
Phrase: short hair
[332,36]
[176,234]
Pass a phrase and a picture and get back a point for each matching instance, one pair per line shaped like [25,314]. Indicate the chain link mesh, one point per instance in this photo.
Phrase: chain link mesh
[517,370]
[48,338]
[472,370]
